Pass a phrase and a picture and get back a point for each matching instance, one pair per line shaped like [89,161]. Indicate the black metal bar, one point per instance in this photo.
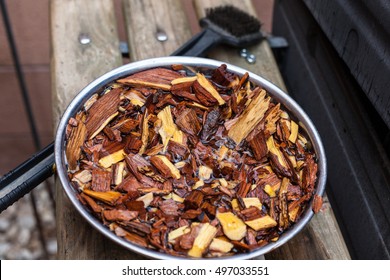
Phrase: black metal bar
[26,177]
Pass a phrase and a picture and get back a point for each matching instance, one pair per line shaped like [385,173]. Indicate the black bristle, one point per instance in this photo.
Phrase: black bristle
[233,20]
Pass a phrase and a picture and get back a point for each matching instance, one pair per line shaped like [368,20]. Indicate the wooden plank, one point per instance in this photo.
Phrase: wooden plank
[265,65]
[325,226]
[321,238]
[145,18]
[73,66]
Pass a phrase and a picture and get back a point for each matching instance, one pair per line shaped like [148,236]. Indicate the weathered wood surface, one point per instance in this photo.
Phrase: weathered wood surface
[145,18]
[74,65]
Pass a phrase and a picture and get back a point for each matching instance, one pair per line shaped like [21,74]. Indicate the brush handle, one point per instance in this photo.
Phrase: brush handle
[24,178]
[199,44]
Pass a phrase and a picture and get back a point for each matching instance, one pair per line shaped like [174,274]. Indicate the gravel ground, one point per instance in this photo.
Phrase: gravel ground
[19,236]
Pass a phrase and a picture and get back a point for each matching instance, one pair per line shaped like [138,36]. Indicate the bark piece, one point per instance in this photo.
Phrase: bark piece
[251,213]
[131,237]
[309,174]
[259,146]
[92,203]
[209,209]
[159,78]
[210,125]
[126,125]
[130,183]
[243,189]
[188,122]
[317,203]
[177,150]
[101,180]
[102,112]
[283,215]
[223,77]
[169,207]
[136,164]
[137,227]
[119,215]
[194,200]
[76,139]
[165,166]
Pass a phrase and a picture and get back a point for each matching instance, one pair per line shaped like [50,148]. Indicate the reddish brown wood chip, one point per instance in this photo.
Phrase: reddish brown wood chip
[119,215]
[102,111]
[76,139]
[101,180]
[317,203]
[156,78]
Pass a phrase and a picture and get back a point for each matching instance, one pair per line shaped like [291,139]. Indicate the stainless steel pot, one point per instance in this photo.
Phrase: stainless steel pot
[277,94]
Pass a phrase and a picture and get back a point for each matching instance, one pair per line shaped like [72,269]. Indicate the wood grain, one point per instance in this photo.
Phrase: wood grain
[144,18]
[321,238]
[73,66]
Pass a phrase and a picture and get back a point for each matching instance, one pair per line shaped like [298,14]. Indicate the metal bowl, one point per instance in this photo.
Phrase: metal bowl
[277,95]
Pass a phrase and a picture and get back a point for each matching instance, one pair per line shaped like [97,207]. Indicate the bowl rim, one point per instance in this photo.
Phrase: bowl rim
[276,94]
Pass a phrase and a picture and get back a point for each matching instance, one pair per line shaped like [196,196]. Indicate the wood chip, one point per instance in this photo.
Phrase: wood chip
[75,141]
[250,117]
[102,112]
[159,78]
[169,130]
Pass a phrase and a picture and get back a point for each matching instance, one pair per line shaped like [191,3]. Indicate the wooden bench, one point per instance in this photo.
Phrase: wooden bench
[85,44]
